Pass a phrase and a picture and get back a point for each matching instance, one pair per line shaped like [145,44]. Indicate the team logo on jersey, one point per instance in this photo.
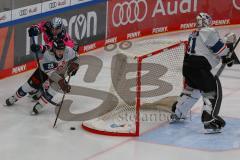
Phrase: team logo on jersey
[236,4]
[61,65]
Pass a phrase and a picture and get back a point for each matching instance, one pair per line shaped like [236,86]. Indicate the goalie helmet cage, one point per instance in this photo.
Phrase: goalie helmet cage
[172,59]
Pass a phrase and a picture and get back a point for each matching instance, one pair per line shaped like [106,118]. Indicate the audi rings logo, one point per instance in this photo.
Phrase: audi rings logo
[129,12]
[236,4]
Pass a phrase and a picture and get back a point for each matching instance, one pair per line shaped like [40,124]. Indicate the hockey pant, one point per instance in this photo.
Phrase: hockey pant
[52,90]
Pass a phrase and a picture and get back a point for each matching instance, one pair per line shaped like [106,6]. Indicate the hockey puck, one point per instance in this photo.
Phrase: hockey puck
[72,128]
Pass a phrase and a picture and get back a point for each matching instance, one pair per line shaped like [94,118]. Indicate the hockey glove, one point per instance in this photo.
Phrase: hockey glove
[45,48]
[229,61]
[35,48]
[76,47]
[230,46]
[64,86]
[72,68]
[33,31]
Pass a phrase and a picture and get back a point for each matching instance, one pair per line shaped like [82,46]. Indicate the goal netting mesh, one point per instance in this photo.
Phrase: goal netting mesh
[141,84]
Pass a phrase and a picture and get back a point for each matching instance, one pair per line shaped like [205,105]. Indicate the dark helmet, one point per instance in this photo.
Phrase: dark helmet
[59,44]
[57,23]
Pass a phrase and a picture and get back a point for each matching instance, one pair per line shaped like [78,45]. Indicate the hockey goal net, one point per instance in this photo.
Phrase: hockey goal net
[142,84]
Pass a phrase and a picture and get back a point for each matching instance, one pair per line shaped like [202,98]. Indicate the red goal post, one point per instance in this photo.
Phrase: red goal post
[166,63]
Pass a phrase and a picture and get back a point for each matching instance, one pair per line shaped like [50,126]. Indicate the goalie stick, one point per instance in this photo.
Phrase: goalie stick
[219,72]
[230,54]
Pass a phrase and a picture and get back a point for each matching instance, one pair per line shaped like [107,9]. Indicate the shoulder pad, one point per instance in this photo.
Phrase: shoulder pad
[48,54]
[47,25]
[206,32]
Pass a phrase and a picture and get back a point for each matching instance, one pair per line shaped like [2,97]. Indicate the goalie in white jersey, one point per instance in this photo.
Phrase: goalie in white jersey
[57,63]
[205,51]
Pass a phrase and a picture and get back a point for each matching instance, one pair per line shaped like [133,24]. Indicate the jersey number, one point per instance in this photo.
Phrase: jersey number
[192,42]
[192,45]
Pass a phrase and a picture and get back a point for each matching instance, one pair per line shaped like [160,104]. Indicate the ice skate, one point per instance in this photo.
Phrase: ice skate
[210,129]
[37,109]
[174,118]
[214,126]
[10,101]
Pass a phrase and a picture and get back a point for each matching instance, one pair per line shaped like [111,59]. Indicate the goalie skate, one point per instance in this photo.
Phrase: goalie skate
[175,119]
[214,126]
[212,131]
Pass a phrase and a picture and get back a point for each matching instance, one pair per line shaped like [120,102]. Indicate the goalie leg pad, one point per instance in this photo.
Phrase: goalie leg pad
[186,101]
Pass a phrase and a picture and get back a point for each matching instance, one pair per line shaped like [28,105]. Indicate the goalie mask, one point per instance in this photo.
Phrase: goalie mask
[203,20]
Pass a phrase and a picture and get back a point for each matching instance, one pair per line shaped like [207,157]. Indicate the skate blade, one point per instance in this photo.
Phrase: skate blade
[5,105]
[210,131]
[32,113]
[181,120]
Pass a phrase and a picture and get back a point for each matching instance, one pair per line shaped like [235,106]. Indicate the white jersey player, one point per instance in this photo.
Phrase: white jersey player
[58,64]
[55,65]
[205,51]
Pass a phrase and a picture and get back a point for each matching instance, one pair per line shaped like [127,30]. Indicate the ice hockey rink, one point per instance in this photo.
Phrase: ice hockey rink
[26,137]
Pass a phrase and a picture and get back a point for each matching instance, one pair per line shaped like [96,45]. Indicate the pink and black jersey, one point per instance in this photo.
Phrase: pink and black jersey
[45,28]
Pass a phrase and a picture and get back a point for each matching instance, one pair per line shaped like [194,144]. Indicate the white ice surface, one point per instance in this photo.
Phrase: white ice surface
[25,137]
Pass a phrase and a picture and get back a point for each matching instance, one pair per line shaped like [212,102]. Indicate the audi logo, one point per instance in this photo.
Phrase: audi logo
[52,5]
[236,4]
[129,12]
[23,12]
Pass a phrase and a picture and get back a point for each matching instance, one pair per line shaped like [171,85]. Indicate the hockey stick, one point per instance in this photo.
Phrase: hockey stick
[41,76]
[60,106]
[230,54]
